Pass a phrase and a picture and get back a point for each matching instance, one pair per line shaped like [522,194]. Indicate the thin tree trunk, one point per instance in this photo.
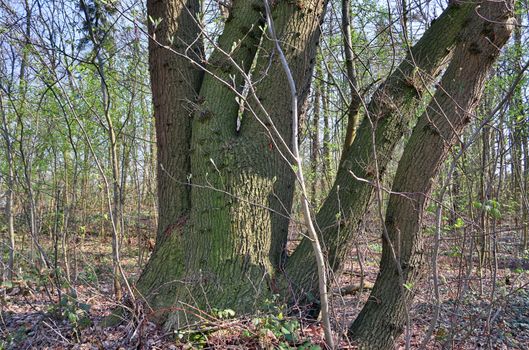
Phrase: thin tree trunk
[353,110]
[525,184]
[483,197]
[66,206]
[315,146]
[326,161]
[26,155]
[10,194]
[117,214]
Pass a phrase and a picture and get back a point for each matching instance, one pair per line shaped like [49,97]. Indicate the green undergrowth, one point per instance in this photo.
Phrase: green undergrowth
[268,329]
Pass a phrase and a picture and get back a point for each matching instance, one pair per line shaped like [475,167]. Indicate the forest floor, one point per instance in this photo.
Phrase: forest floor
[472,315]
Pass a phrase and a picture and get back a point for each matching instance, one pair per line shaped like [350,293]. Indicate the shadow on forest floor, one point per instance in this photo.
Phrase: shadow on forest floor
[471,315]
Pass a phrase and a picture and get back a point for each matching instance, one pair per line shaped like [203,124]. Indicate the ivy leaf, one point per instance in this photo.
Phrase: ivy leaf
[84,307]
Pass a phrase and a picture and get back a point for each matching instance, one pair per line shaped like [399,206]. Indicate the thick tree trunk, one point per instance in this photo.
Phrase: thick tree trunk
[391,112]
[383,317]
[174,50]
[225,246]
[225,193]
[175,83]
[269,133]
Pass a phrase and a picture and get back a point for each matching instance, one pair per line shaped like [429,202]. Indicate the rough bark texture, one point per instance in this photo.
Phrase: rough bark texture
[222,237]
[392,110]
[297,26]
[175,82]
[197,139]
[225,194]
[383,317]
[353,109]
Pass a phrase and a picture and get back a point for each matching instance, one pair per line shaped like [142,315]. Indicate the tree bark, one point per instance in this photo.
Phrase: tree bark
[10,194]
[175,83]
[315,146]
[383,317]
[225,193]
[392,110]
[353,110]
[225,249]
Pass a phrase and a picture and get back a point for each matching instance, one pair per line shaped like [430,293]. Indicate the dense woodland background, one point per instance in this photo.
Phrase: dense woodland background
[78,186]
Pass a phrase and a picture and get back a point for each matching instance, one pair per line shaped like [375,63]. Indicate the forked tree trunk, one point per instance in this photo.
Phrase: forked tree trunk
[392,110]
[224,244]
[383,317]
[225,193]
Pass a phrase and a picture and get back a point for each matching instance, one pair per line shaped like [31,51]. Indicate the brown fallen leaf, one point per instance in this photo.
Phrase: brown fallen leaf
[353,288]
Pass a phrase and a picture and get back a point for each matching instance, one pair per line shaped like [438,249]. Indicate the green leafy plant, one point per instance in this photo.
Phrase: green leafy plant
[224,313]
[286,330]
[490,206]
[455,251]
[69,308]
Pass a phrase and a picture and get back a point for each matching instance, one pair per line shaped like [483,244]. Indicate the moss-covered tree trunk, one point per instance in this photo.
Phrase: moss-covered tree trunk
[392,111]
[383,317]
[225,193]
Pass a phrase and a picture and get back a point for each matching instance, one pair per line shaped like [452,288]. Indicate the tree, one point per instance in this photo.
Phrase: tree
[437,130]
[95,24]
[9,212]
[241,186]
[226,190]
